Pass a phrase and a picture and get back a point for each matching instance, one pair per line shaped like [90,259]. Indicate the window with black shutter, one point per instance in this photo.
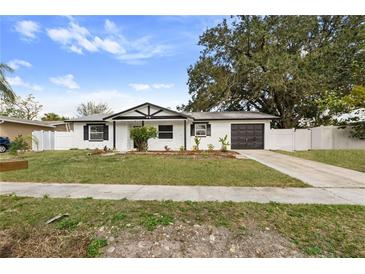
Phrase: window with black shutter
[165,132]
[96,132]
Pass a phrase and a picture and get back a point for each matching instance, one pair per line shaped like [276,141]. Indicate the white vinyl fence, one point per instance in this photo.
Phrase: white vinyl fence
[63,140]
[42,140]
[49,140]
[323,137]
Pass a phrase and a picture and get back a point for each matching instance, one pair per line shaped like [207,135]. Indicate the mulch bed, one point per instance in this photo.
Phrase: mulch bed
[214,153]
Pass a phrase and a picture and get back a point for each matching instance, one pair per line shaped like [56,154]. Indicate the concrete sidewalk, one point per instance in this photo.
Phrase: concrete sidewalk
[313,173]
[353,196]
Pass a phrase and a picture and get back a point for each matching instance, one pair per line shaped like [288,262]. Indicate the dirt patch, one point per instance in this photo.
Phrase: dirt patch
[185,240]
[35,242]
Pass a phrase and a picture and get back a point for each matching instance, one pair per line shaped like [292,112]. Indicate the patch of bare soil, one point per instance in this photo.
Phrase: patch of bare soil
[46,243]
[188,153]
[185,240]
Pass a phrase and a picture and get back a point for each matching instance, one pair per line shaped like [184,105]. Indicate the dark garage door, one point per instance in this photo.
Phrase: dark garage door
[247,136]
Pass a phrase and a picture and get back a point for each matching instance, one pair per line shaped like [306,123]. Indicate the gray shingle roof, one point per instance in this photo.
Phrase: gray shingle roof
[24,121]
[219,115]
[89,118]
[230,115]
[54,123]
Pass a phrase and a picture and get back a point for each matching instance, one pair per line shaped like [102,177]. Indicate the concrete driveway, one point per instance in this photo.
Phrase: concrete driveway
[313,173]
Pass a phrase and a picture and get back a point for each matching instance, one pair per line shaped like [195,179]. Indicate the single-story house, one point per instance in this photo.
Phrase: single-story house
[245,130]
[12,127]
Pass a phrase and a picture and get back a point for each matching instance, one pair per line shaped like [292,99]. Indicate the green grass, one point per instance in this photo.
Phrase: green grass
[352,159]
[317,230]
[78,167]
[94,247]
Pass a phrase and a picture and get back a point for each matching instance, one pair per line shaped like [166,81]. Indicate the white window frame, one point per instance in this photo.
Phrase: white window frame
[97,132]
[205,129]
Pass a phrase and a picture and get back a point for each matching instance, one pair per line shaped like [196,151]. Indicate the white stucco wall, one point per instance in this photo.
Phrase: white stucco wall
[79,141]
[221,128]
[178,136]
[124,142]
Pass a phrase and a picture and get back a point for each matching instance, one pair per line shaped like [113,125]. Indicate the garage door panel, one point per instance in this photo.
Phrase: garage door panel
[247,136]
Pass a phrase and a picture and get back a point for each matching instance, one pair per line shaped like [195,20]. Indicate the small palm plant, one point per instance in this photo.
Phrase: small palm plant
[224,142]
[197,143]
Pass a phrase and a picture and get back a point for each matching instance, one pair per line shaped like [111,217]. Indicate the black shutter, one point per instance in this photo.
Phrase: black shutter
[106,132]
[192,130]
[209,130]
[86,132]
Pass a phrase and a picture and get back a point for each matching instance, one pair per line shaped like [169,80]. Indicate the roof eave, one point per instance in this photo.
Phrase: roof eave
[27,123]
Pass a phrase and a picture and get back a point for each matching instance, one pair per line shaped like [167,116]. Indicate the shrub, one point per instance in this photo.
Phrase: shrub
[224,142]
[141,135]
[210,147]
[182,149]
[21,143]
[197,143]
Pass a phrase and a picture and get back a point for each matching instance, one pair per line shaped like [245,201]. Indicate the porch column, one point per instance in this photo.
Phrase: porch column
[114,133]
[185,134]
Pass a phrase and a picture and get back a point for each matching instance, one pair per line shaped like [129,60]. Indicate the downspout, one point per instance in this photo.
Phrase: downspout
[185,134]
[114,134]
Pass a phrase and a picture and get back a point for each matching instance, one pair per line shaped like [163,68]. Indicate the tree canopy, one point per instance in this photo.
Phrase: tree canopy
[6,92]
[91,107]
[24,108]
[51,116]
[281,65]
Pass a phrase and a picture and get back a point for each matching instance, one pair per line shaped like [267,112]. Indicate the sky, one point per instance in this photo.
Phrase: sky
[119,60]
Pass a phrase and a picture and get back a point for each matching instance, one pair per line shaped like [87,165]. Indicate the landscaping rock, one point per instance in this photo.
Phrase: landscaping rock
[110,249]
[186,240]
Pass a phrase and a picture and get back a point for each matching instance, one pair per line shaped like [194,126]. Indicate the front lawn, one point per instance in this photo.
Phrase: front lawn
[178,229]
[352,159]
[77,167]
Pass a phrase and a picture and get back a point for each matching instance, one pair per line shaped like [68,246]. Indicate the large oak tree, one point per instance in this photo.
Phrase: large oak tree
[281,65]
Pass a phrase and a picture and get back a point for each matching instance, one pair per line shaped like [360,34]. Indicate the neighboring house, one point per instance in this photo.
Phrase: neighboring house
[59,125]
[12,127]
[245,130]
[358,114]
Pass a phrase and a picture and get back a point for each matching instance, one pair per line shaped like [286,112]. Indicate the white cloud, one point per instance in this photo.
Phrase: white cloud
[140,86]
[110,26]
[16,81]
[79,39]
[159,86]
[76,49]
[28,29]
[66,81]
[17,63]
[108,45]
[117,100]
[66,105]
